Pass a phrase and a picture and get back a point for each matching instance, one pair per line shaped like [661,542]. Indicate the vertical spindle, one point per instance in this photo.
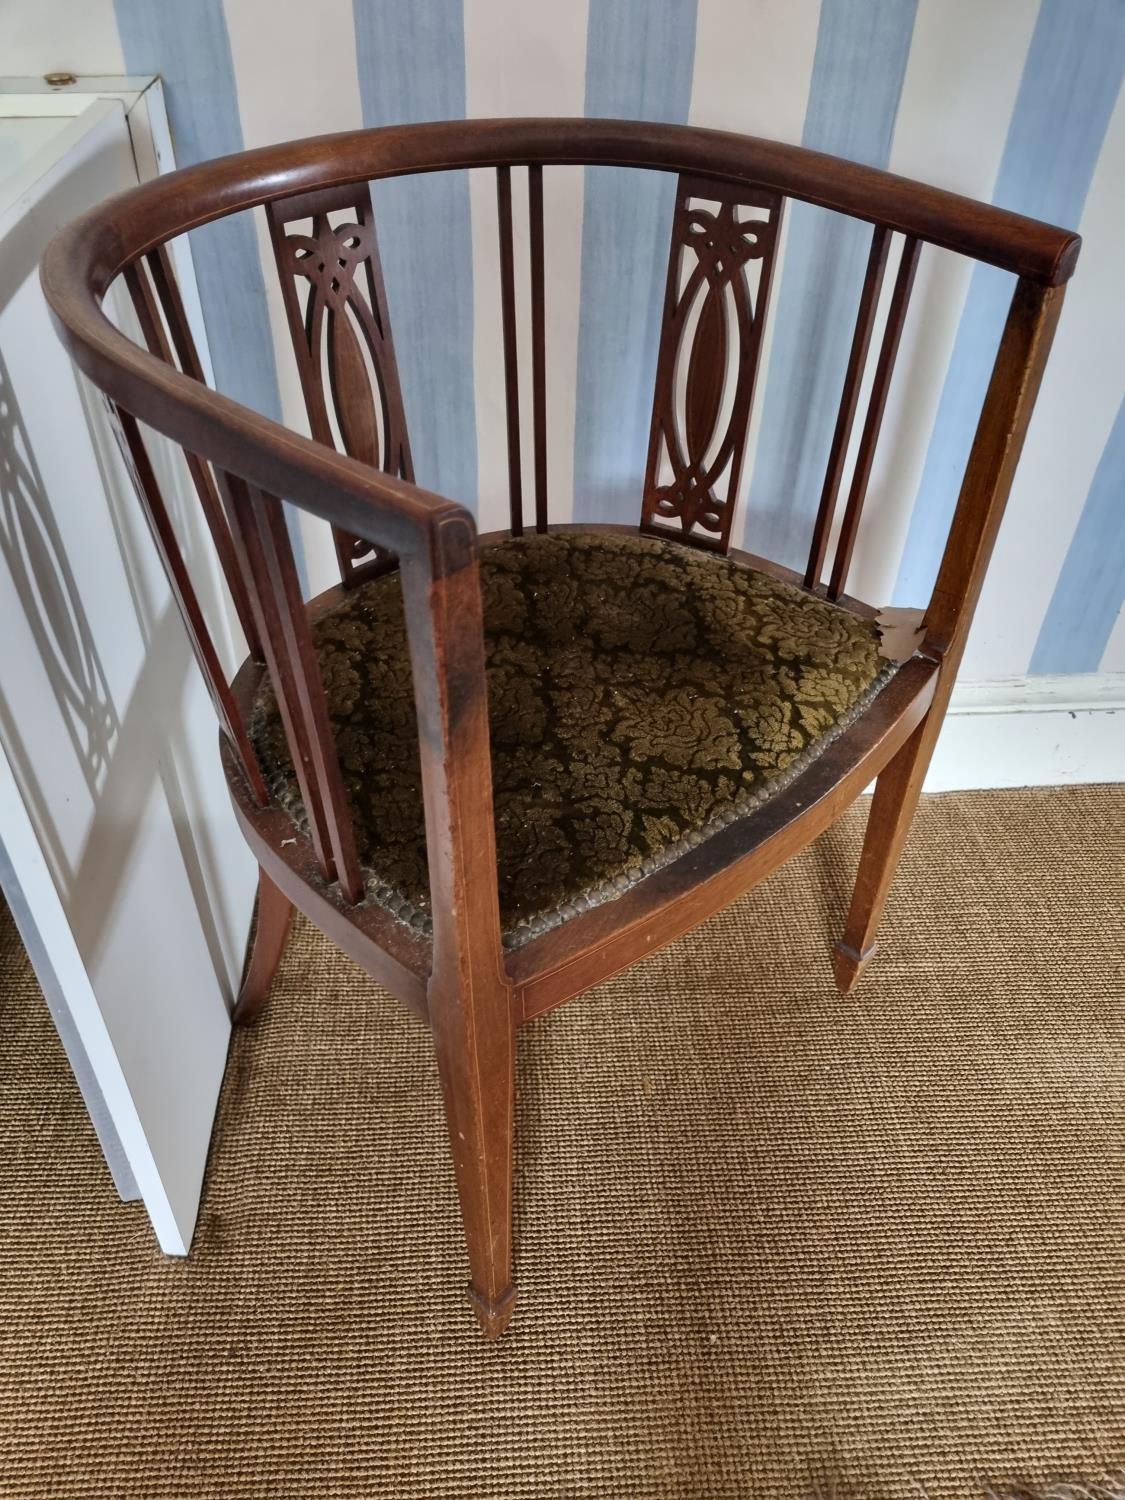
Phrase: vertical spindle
[538,341]
[264,549]
[845,417]
[167,300]
[168,548]
[884,369]
[511,368]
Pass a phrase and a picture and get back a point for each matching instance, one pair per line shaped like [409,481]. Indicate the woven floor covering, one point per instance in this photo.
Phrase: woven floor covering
[770,1241]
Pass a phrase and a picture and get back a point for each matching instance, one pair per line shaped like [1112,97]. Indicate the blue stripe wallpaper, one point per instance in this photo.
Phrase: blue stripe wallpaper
[638,66]
[411,65]
[1088,598]
[861,52]
[411,61]
[190,48]
[1067,93]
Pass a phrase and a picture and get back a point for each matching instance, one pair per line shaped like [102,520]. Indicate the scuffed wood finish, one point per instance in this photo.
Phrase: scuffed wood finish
[460,982]
[712,317]
[472,1014]
[333,327]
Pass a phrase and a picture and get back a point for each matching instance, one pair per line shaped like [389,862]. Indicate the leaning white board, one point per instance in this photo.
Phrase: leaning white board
[131,881]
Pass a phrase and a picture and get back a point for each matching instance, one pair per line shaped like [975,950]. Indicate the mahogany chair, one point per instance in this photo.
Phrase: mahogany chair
[497,769]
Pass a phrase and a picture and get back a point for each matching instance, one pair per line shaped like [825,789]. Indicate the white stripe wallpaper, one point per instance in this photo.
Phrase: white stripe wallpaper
[525,59]
[297,72]
[1081,394]
[964,71]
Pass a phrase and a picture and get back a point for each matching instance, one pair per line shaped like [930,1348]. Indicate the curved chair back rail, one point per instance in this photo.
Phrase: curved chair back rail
[91,253]
[356,473]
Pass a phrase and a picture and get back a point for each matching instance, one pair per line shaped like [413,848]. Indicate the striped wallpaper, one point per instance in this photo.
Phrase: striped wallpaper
[1014,100]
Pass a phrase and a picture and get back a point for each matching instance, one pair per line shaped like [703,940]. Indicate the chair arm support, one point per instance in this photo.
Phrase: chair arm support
[1016,376]
[444,624]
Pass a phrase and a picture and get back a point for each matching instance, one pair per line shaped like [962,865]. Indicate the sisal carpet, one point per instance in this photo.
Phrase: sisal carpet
[771,1241]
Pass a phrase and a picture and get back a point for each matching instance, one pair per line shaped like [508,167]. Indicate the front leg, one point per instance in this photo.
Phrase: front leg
[477,1066]
[275,912]
[470,995]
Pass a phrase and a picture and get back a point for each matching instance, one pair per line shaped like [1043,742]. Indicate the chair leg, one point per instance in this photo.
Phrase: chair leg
[892,810]
[275,912]
[478,1087]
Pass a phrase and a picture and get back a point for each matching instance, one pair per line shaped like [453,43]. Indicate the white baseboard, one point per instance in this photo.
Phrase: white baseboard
[1032,731]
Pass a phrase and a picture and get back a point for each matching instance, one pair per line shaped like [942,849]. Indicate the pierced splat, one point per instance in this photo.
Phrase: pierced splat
[342,341]
[719,271]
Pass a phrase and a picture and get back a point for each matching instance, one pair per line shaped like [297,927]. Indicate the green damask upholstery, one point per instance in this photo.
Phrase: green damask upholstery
[641,694]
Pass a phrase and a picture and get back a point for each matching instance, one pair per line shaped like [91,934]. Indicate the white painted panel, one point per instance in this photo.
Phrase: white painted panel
[40,898]
[110,737]
[49,945]
[1048,748]
[526,60]
[22,139]
[150,969]
[171,692]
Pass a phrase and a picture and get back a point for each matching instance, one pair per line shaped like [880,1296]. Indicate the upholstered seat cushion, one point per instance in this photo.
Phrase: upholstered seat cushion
[641,694]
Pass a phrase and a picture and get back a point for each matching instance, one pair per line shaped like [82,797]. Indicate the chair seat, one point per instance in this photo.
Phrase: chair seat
[641,694]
